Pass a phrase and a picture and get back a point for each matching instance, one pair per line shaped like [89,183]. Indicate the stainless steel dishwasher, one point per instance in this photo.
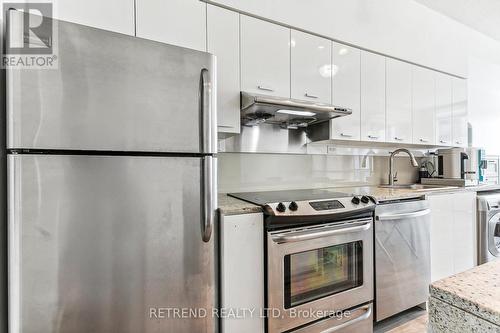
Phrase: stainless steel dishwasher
[402,255]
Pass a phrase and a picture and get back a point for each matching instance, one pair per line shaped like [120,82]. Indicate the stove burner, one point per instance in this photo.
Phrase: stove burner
[295,207]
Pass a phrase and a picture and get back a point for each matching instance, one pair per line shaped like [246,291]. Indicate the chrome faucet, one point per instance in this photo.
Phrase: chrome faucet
[391,162]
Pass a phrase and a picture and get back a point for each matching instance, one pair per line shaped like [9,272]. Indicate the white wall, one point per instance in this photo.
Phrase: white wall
[257,172]
[484,104]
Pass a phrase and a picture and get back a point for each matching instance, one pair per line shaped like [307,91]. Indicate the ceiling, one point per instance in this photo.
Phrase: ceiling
[481,15]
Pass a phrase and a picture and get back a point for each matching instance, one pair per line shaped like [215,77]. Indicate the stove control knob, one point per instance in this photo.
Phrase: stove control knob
[293,206]
[281,207]
[355,200]
[365,199]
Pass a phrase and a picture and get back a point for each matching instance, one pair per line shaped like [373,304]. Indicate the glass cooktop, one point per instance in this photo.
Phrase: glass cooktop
[262,198]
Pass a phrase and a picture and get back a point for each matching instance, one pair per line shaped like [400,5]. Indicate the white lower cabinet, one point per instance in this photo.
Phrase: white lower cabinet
[453,233]
[223,40]
[346,92]
[242,271]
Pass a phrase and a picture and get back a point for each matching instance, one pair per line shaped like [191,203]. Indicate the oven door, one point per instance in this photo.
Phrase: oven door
[317,270]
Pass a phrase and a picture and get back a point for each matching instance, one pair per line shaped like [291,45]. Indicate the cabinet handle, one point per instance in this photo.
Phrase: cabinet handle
[424,140]
[442,141]
[311,96]
[398,138]
[458,142]
[346,135]
[265,88]
[373,137]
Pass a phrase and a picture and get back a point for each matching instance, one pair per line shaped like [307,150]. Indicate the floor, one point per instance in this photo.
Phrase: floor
[411,321]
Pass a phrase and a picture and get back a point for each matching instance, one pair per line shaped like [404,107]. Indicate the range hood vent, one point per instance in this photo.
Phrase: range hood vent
[286,112]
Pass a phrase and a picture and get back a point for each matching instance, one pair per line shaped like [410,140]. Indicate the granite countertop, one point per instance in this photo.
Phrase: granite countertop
[476,291]
[232,206]
[383,194]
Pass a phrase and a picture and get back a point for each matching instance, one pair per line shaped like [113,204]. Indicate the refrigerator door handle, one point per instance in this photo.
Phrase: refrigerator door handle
[208,196]
[208,118]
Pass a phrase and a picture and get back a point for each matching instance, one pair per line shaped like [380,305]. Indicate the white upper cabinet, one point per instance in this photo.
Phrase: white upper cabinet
[265,57]
[177,22]
[84,12]
[398,104]
[223,39]
[372,97]
[444,102]
[346,92]
[459,107]
[311,63]
[423,106]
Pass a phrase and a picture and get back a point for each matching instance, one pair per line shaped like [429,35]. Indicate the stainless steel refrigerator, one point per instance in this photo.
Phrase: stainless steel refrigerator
[111,171]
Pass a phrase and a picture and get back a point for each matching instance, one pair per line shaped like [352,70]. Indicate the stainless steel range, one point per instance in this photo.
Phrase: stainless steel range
[319,246]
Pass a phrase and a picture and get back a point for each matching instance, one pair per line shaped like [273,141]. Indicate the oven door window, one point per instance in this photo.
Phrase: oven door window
[319,273]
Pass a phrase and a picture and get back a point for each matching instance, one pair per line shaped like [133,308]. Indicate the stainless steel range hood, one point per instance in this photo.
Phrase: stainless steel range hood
[286,112]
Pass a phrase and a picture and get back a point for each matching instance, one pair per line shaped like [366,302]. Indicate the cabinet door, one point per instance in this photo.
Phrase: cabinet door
[460,118]
[84,12]
[346,92]
[242,264]
[223,39]
[423,106]
[464,231]
[453,233]
[311,65]
[372,97]
[442,247]
[265,57]
[398,104]
[177,22]
[443,110]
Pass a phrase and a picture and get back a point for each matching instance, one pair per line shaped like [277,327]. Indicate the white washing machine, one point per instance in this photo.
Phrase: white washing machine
[488,219]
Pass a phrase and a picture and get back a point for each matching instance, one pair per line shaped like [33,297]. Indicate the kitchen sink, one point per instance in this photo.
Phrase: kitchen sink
[417,187]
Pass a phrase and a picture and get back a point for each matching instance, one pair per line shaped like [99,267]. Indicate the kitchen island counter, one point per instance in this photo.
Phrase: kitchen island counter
[468,301]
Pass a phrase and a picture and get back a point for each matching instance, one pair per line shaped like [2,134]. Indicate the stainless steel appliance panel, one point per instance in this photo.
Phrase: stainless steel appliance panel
[357,320]
[402,256]
[114,92]
[3,219]
[95,242]
[283,243]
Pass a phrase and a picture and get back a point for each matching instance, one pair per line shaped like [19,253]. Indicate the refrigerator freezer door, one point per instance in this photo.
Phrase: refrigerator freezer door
[100,243]
[114,92]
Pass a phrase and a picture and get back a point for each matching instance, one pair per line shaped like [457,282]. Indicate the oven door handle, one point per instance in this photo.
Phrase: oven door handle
[365,316]
[404,215]
[300,236]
